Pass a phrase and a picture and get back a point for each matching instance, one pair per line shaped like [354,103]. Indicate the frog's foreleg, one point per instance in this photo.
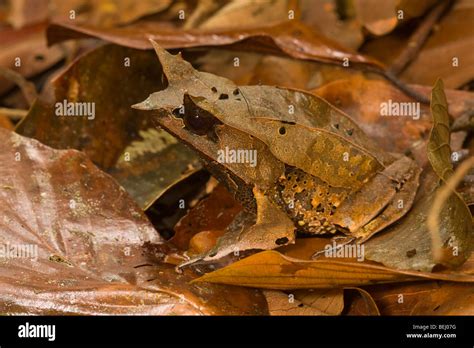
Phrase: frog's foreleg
[268,229]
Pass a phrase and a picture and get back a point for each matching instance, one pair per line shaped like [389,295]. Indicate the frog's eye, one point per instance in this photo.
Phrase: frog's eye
[196,119]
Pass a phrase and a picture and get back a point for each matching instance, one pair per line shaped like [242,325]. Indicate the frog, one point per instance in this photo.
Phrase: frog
[317,171]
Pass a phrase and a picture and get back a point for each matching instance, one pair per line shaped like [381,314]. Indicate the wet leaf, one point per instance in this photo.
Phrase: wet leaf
[117,138]
[71,238]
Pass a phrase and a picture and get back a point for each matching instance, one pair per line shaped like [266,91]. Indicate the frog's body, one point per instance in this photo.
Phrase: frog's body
[308,201]
[314,162]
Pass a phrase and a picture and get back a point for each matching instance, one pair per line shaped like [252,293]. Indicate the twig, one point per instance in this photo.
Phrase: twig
[418,38]
[27,88]
[13,114]
[464,122]
[441,196]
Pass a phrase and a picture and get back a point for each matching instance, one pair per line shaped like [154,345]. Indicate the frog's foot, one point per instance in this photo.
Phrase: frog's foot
[268,229]
[338,242]
[381,202]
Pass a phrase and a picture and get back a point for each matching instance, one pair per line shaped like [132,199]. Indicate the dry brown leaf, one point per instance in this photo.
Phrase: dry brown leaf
[272,270]
[360,304]
[279,38]
[233,14]
[421,298]
[305,302]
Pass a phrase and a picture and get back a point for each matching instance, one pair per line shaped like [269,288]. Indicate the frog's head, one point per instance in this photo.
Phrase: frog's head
[190,108]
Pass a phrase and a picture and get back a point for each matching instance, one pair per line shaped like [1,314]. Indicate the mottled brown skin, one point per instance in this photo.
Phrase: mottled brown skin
[307,201]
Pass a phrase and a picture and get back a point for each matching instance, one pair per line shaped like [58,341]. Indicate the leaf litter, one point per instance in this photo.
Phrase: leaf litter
[325,192]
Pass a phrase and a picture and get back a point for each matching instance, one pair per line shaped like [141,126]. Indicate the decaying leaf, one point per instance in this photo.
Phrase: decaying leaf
[368,102]
[325,16]
[377,17]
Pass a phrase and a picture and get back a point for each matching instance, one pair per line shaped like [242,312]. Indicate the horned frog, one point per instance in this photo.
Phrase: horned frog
[316,170]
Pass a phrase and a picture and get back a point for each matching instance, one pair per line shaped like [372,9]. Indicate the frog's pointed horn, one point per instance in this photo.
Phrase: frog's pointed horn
[171,63]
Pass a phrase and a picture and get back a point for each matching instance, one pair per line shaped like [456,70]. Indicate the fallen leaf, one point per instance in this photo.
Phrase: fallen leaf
[377,17]
[360,304]
[250,12]
[29,45]
[305,302]
[277,39]
[422,298]
[456,239]
[324,15]
[68,248]
[364,98]
[213,213]
[272,270]
[446,54]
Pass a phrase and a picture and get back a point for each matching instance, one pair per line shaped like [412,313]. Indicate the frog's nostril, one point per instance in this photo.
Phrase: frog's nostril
[282,131]
[281,241]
